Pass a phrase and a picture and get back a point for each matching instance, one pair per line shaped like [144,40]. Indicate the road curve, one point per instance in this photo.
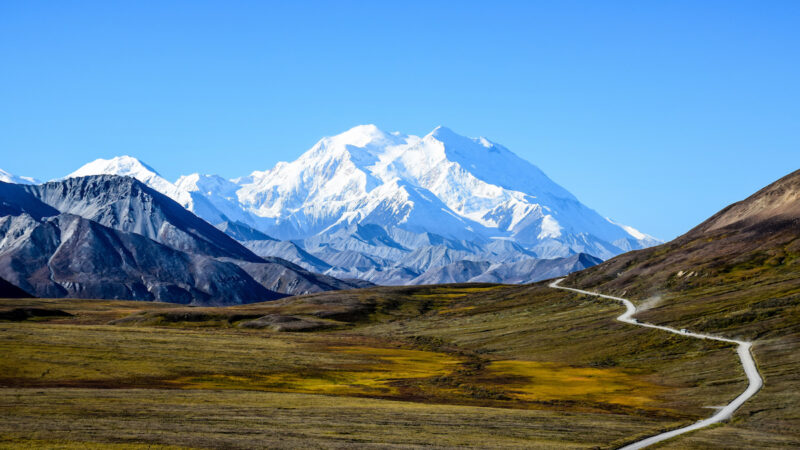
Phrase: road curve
[724,413]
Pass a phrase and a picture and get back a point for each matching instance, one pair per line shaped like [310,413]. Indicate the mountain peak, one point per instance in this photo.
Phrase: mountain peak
[130,167]
[442,130]
[780,201]
[361,136]
[449,137]
[365,128]
[8,177]
[454,186]
[118,165]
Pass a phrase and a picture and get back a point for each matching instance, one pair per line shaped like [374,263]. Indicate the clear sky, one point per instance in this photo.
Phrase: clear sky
[656,114]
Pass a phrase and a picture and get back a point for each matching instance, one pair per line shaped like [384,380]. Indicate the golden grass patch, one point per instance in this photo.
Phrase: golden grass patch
[376,375]
[455,310]
[542,381]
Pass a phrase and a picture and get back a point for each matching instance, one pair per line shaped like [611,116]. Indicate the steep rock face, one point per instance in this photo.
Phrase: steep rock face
[67,255]
[209,196]
[114,237]
[125,204]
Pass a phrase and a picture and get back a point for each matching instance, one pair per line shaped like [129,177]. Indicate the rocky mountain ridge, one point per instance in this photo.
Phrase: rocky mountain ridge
[366,201]
[114,237]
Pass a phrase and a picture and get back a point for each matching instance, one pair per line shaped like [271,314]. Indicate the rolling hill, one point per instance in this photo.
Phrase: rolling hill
[737,275]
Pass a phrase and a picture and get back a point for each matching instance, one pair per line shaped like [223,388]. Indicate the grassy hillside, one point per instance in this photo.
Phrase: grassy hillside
[454,365]
[737,275]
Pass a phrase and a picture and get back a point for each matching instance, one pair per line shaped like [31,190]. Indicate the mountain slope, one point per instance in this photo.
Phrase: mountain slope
[533,270]
[242,232]
[8,290]
[46,216]
[519,272]
[7,177]
[208,196]
[282,276]
[759,235]
[289,251]
[441,183]
[16,199]
[68,256]
[126,204]
[734,275]
[457,272]
[441,186]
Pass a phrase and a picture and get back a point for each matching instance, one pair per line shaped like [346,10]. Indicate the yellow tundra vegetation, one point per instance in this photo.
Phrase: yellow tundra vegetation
[375,376]
[538,381]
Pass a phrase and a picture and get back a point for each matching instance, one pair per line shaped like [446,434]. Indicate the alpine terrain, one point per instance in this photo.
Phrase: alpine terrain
[399,209]
[545,367]
[116,238]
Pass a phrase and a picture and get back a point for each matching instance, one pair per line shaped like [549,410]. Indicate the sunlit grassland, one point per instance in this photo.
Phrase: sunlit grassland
[37,354]
[550,362]
[47,418]
[530,380]
[738,287]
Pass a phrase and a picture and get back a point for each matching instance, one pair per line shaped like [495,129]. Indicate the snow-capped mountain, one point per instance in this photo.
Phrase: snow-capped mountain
[209,196]
[442,183]
[7,177]
[395,200]
[130,167]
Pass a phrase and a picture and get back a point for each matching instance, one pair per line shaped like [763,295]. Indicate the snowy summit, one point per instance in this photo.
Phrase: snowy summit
[442,184]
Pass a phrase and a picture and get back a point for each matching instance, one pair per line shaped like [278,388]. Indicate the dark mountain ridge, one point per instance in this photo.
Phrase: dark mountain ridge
[113,237]
[126,204]
[8,290]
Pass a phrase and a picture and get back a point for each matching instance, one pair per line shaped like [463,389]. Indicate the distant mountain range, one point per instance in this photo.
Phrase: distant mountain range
[382,207]
[11,178]
[392,199]
[114,237]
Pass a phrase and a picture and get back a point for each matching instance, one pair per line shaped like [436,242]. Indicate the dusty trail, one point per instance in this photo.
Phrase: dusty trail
[724,413]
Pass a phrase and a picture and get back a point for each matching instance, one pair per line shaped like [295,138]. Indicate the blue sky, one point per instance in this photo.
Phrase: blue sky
[656,114]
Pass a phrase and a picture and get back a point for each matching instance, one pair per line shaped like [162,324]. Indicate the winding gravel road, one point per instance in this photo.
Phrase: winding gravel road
[724,413]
